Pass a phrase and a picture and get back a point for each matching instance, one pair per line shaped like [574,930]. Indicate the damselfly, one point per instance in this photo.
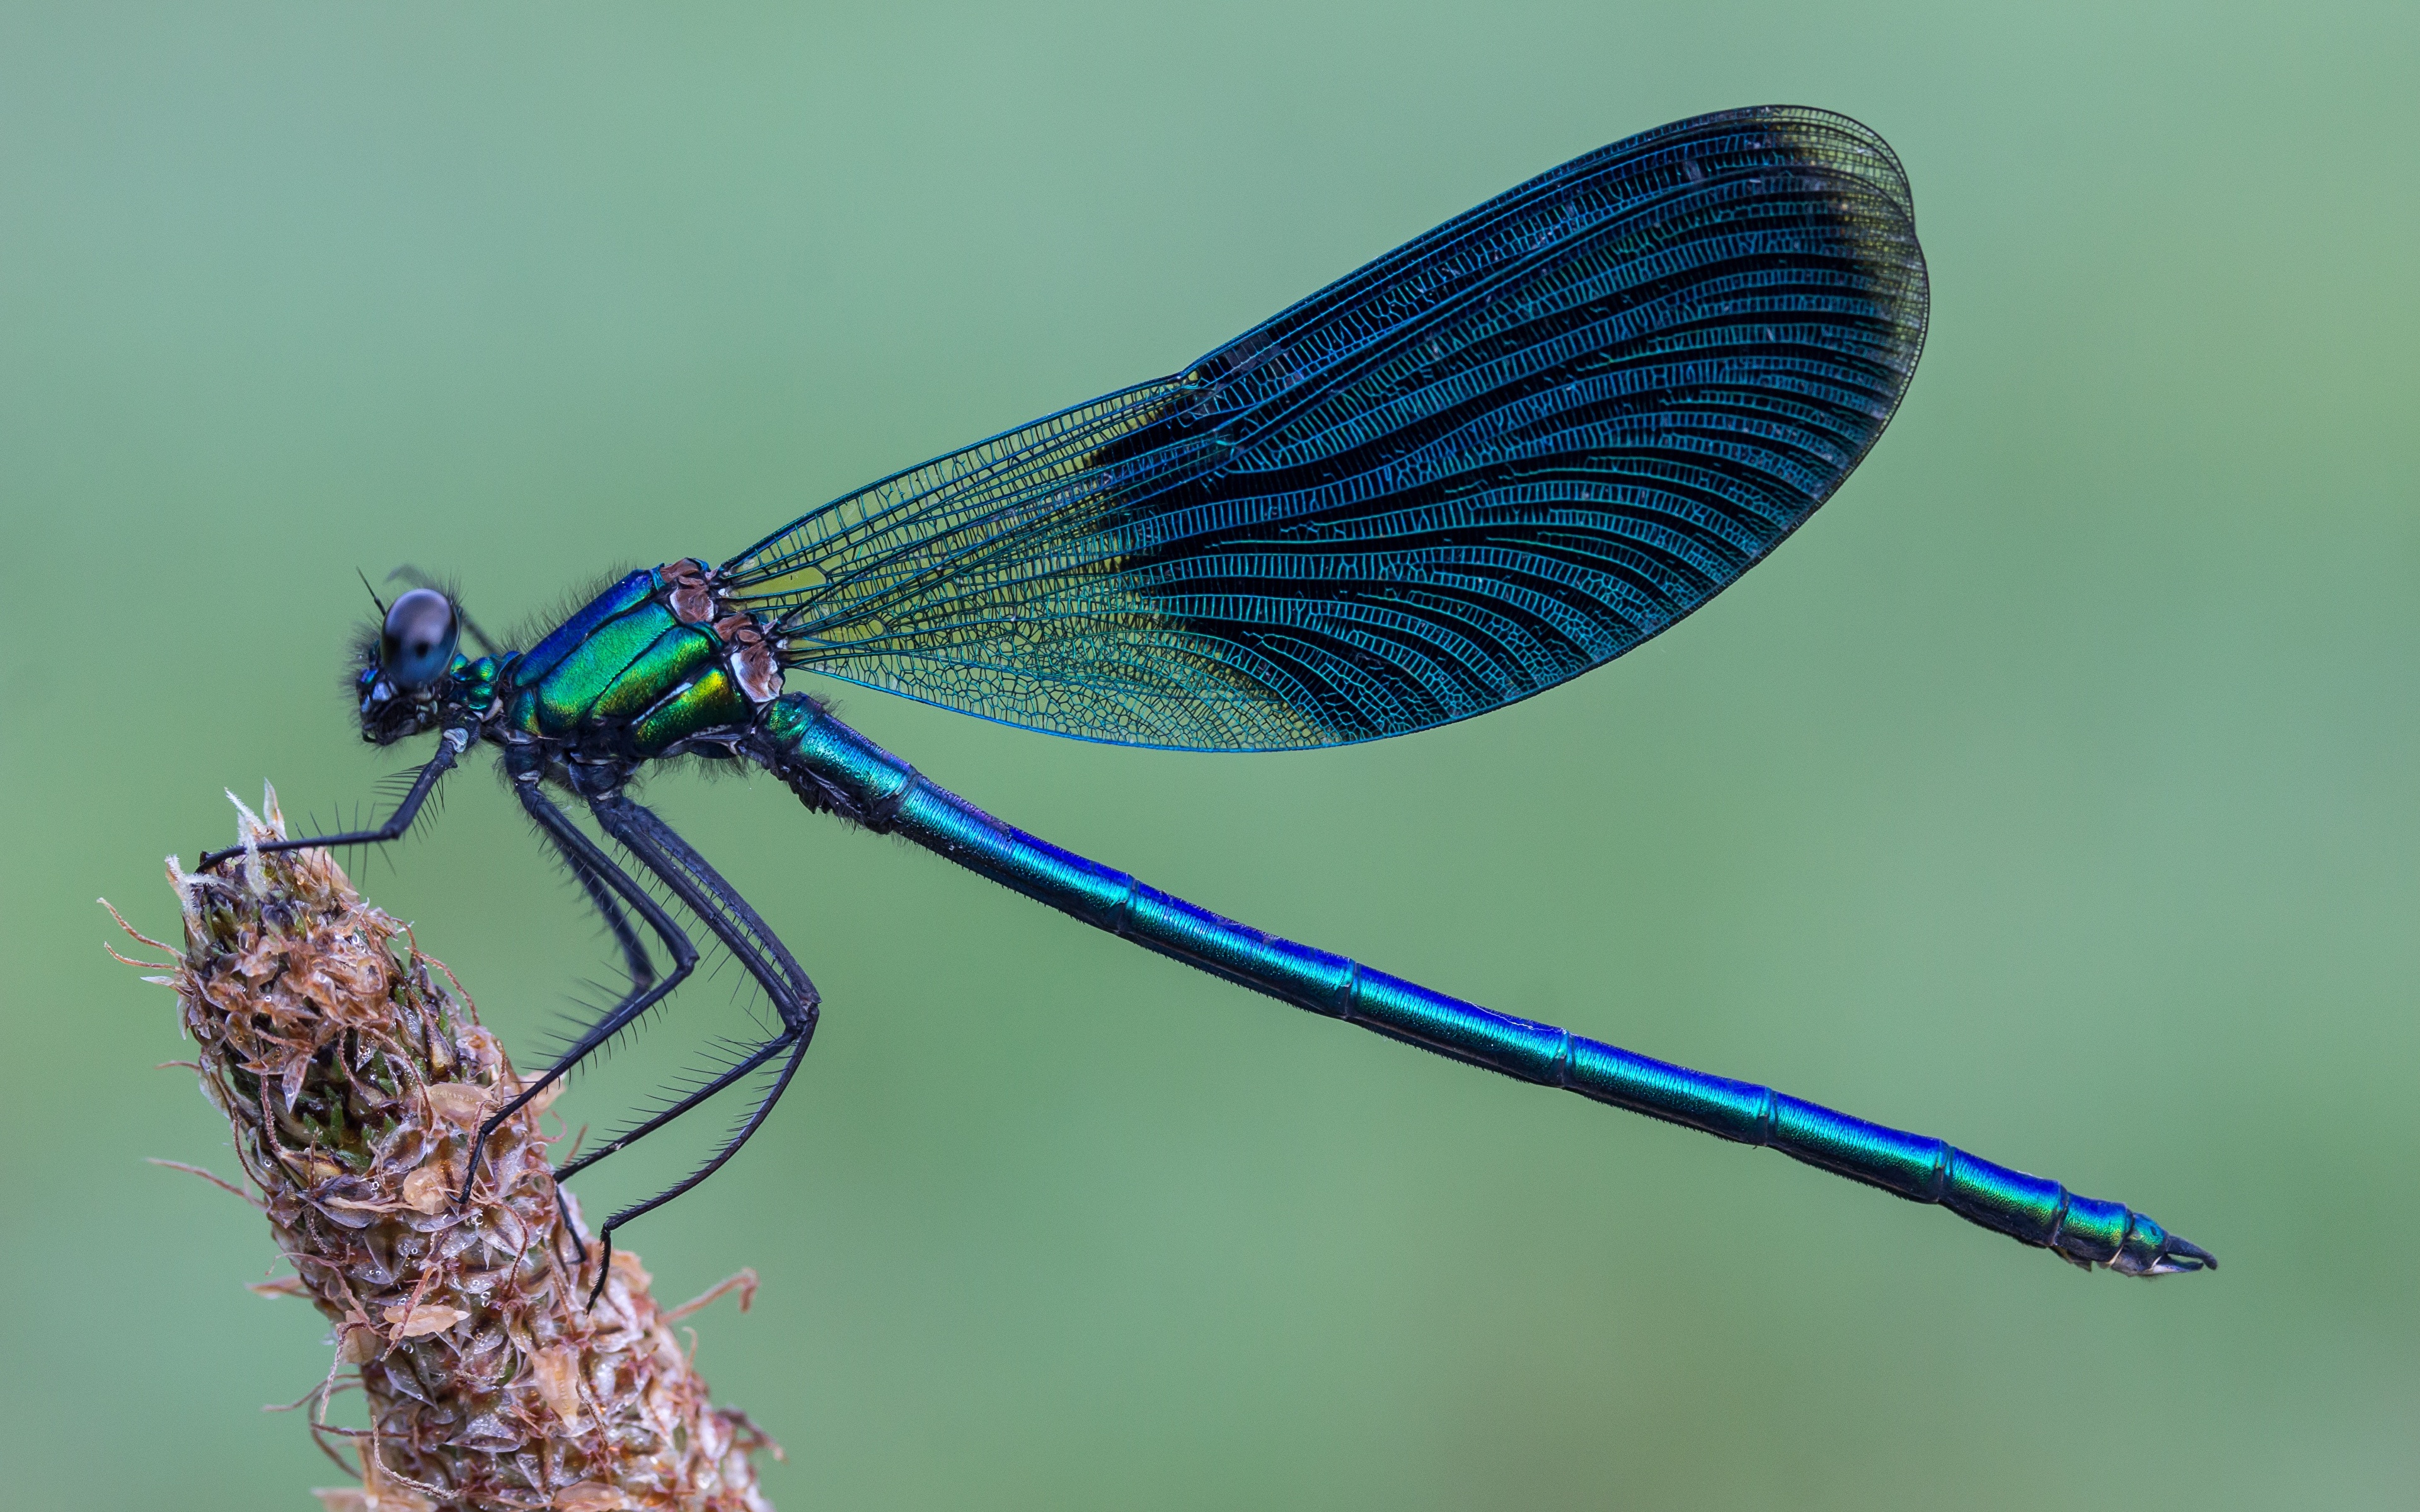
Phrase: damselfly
[1501,454]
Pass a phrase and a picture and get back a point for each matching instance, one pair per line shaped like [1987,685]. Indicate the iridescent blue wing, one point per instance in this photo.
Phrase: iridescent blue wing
[1494,457]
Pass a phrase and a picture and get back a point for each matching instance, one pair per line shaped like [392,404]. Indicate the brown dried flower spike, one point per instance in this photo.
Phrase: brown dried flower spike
[354,1082]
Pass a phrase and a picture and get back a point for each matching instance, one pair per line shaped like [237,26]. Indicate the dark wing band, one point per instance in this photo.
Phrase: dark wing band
[1501,455]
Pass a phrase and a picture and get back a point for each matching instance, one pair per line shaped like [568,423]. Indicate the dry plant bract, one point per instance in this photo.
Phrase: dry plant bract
[354,1082]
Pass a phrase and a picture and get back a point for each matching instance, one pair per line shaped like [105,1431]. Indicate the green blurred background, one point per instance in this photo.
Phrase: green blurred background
[2052,792]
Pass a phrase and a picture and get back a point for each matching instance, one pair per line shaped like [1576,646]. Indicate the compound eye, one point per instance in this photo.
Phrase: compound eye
[417,644]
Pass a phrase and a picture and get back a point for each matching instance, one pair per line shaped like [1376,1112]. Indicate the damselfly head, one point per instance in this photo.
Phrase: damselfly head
[403,682]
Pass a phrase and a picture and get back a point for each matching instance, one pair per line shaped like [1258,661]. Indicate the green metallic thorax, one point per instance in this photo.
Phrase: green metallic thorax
[628,670]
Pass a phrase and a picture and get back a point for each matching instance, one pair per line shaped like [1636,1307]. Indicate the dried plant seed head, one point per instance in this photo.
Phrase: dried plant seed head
[355,1082]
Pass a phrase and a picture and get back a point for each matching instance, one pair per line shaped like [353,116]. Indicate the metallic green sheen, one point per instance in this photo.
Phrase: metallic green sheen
[478,681]
[568,636]
[710,702]
[568,693]
[520,714]
[676,656]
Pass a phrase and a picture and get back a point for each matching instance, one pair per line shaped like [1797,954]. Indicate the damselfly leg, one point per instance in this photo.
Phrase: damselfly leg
[617,923]
[595,865]
[634,960]
[721,907]
[449,749]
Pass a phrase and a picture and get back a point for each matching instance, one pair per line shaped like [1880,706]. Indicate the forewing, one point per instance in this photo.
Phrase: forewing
[1503,454]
